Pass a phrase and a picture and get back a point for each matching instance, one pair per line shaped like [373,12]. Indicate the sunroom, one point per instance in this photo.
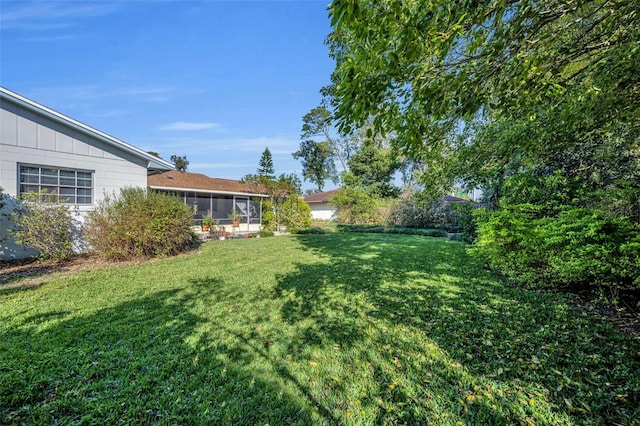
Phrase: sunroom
[214,197]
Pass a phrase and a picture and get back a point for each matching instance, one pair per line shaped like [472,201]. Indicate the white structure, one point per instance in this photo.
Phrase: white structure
[41,149]
[320,209]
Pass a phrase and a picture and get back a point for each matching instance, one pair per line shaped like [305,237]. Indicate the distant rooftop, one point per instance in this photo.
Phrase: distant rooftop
[319,197]
[186,181]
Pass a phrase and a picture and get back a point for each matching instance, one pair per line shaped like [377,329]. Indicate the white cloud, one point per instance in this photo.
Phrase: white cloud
[51,15]
[189,126]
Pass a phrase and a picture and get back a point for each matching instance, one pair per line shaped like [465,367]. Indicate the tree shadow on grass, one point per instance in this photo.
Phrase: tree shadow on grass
[135,363]
[484,351]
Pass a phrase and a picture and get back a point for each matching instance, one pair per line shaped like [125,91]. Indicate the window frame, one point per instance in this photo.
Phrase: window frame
[65,183]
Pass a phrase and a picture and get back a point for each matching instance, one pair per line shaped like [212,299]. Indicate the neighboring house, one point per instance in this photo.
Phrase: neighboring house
[451,199]
[320,209]
[214,197]
[41,149]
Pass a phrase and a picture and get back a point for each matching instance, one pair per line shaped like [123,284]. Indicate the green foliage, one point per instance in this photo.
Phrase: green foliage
[355,206]
[317,162]
[45,223]
[318,123]
[418,211]
[294,213]
[138,223]
[581,247]
[180,162]
[263,233]
[372,167]
[309,230]
[535,102]
[268,216]
[265,165]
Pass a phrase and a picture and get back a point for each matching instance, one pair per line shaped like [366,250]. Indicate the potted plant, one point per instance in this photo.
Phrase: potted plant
[207,223]
[235,218]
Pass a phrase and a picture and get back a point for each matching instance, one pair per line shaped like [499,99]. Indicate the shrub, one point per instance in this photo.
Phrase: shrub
[263,234]
[295,212]
[268,217]
[46,224]
[138,223]
[580,247]
[378,229]
[310,230]
[417,211]
[355,206]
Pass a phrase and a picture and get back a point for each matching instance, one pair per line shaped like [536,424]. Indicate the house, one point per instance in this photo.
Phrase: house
[320,209]
[42,149]
[452,199]
[214,197]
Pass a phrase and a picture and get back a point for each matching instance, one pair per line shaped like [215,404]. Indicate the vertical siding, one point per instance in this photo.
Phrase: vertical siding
[28,138]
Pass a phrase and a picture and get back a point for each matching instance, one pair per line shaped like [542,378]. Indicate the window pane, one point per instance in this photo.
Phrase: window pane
[67,181]
[33,170]
[24,178]
[84,191]
[84,200]
[68,173]
[25,189]
[49,172]
[67,191]
[84,175]
[84,183]
[49,180]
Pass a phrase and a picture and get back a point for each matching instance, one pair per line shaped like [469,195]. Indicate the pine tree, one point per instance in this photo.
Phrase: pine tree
[265,166]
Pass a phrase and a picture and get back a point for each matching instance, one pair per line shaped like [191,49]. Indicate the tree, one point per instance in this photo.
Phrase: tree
[412,60]
[372,167]
[318,122]
[265,165]
[537,102]
[317,162]
[180,162]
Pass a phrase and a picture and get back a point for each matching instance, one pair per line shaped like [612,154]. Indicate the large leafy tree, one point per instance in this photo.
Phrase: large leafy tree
[493,88]
[372,167]
[317,160]
[318,123]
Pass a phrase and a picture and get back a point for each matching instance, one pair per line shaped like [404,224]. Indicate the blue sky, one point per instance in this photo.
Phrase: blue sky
[217,81]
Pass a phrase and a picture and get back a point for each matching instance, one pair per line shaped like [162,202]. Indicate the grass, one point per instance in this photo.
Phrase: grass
[333,328]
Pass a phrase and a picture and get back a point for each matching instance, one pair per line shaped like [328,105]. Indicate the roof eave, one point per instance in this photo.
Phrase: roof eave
[208,191]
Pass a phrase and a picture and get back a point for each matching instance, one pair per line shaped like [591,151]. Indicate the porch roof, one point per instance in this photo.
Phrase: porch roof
[196,182]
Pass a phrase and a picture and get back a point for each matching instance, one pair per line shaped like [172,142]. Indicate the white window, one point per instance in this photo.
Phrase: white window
[68,185]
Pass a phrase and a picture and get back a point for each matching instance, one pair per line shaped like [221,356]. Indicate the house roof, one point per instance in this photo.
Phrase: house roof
[153,162]
[319,197]
[186,181]
[448,199]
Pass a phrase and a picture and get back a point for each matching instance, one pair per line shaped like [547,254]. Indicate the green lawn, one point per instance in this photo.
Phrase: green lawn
[334,328]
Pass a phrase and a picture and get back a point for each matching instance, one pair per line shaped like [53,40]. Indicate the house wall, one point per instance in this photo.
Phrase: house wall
[322,211]
[29,138]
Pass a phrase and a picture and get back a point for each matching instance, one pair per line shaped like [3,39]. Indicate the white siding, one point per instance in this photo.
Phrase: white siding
[31,139]
[321,211]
